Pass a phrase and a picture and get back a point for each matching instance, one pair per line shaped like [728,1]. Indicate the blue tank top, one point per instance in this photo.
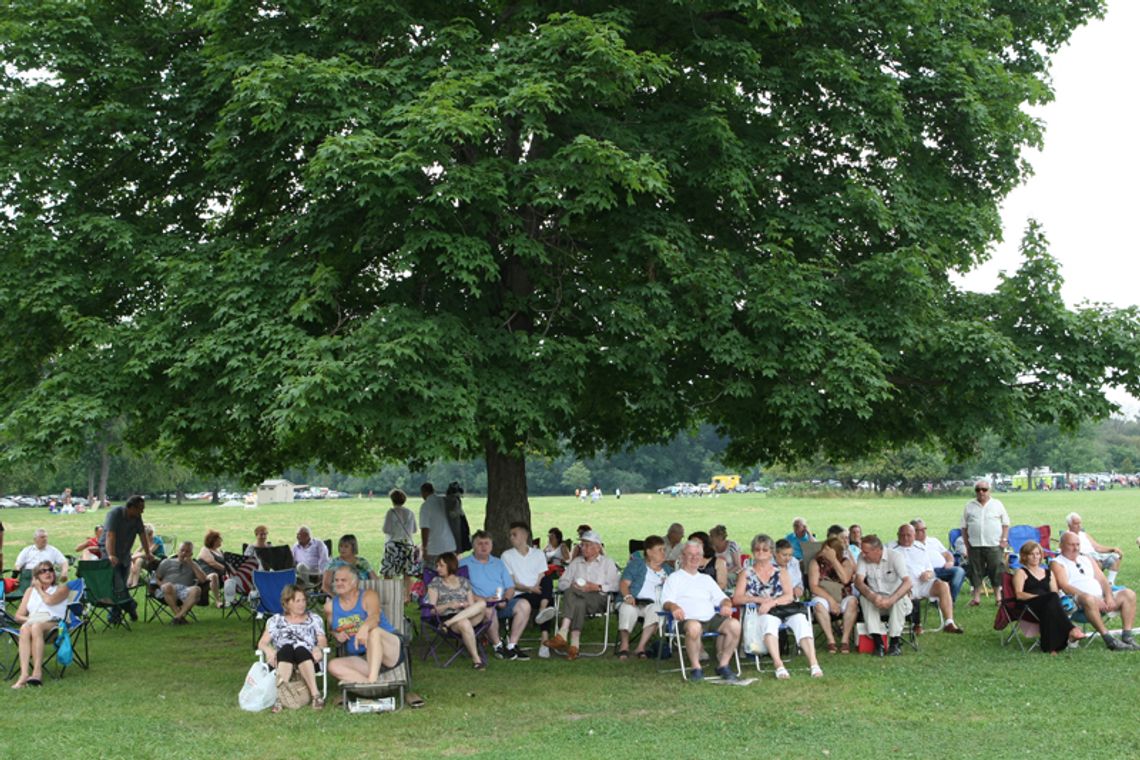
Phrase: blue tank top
[349,621]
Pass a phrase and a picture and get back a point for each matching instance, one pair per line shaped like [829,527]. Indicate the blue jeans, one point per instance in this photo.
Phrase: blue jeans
[955,576]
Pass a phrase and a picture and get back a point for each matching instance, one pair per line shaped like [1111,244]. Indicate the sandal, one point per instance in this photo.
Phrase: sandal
[782,674]
[844,648]
[480,665]
[276,707]
[816,671]
[623,655]
[317,703]
[831,648]
[643,655]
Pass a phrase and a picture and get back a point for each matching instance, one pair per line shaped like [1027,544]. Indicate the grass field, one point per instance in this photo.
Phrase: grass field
[163,691]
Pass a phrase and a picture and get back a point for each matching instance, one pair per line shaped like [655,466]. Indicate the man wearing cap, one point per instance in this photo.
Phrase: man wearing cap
[985,531]
[588,579]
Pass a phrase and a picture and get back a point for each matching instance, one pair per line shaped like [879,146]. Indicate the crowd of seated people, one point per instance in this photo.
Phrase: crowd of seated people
[847,578]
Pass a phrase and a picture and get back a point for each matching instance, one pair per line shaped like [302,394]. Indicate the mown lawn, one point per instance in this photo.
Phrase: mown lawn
[162,691]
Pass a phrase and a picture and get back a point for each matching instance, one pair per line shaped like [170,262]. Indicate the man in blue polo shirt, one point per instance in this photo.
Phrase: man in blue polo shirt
[492,582]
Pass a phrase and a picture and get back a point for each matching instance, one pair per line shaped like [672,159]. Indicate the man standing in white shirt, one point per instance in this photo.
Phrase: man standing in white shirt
[985,530]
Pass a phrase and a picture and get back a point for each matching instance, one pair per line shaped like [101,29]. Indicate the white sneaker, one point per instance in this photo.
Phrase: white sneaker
[544,652]
[545,615]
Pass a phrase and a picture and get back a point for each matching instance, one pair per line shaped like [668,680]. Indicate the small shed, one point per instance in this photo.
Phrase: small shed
[274,492]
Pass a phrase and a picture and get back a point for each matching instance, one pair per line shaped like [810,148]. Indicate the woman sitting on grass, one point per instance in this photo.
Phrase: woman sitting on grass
[357,622]
[1037,588]
[348,550]
[295,639]
[455,603]
[43,606]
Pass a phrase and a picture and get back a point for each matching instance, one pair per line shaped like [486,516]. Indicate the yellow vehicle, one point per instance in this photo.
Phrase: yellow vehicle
[724,482]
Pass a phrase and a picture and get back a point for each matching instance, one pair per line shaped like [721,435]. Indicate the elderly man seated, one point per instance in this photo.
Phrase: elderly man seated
[41,551]
[940,559]
[311,557]
[924,584]
[588,579]
[1082,580]
[799,536]
[882,578]
[641,584]
[698,604]
[492,582]
[1108,557]
[178,579]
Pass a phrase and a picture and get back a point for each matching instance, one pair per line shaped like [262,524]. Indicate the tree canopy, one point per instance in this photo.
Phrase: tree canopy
[267,233]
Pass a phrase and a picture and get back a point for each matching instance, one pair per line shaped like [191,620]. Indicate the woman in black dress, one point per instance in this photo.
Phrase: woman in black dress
[1036,587]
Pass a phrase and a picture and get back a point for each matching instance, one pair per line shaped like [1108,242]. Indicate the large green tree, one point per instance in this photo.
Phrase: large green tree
[306,230]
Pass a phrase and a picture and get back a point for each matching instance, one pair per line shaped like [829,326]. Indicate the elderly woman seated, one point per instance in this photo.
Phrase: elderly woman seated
[769,587]
[348,556]
[357,622]
[43,606]
[295,639]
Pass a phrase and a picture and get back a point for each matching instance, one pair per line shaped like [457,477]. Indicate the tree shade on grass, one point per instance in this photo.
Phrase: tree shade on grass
[263,234]
[159,687]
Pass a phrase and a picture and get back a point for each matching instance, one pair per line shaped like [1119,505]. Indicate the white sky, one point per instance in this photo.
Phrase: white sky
[1083,191]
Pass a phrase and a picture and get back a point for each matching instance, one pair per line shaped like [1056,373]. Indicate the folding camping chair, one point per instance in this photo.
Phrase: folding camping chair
[321,670]
[24,579]
[241,569]
[399,678]
[674,634]
[605,615]
[788,647]
[432,626]
[77,624]
[1018,535]
[109,601]
[1022,622]
[269,585]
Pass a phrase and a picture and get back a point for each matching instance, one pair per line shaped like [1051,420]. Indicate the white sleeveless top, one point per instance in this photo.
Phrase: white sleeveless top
[37,604]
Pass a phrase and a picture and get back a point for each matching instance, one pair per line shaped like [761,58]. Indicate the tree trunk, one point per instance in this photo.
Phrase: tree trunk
[91,485]
[104,468]
[506,495]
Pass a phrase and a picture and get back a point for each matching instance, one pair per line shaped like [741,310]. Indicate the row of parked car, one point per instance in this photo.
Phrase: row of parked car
[10,502]
[702,489]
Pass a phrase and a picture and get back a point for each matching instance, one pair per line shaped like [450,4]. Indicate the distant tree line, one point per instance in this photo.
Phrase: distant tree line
[1110,446]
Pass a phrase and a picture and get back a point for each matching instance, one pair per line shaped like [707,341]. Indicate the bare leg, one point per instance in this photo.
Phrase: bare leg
[945,603]
[467,633]
[519,619]
[309,676]
[284,672]
[693,642]
[849,617]
[807,646]
[729,639]
[647,632]
[772,642]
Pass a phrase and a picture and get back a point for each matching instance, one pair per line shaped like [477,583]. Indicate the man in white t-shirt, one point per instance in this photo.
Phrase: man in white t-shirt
[42,551]
[1108,557]
[1081,578]
[527,566]
[435,531]
[698,604]
[940,559]
[924,584]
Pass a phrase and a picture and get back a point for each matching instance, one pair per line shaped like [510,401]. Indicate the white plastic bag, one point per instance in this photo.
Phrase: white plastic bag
[260,689]
[753,641]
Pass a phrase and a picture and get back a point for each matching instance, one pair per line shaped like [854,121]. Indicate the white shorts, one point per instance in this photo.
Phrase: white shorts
[825,606]
[180,592]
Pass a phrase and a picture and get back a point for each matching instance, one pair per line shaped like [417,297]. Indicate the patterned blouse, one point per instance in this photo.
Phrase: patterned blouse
[282,632]
[756,587]
[362,568]
[453,599]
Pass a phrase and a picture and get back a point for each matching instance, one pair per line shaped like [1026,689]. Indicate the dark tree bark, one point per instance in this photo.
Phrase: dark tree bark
[506,495]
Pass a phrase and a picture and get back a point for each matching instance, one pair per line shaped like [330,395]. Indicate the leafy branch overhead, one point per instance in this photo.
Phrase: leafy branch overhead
[266,234]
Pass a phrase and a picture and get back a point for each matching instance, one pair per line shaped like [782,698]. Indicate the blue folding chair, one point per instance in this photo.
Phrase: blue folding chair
[77,624]
[1018,535]
[268,585]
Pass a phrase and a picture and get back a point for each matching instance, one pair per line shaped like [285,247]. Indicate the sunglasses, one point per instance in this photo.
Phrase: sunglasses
[980,490]
[46,570]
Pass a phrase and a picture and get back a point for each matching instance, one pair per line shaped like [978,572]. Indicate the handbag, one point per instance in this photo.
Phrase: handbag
[64,654]
[260,689]
[293,694]
[785,611]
